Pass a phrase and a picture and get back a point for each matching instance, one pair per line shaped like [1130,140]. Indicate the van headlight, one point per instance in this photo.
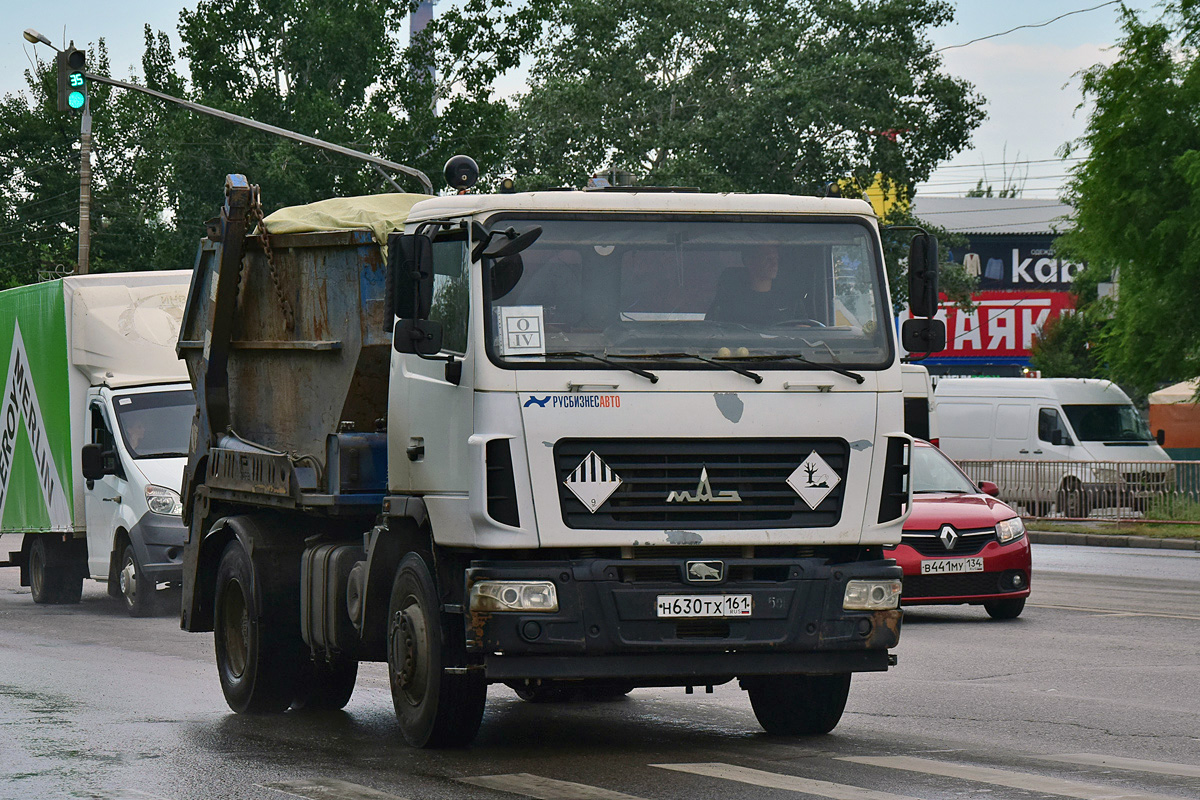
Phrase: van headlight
[1009,530]
[514,596]
[862,595]
[162,500]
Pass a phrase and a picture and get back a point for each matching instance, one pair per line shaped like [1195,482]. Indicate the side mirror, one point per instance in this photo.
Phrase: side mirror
[987,487]
[91,460]
[923,276]
[505,274]
[420,336]
[923,335]
[410,270]
[1161,437]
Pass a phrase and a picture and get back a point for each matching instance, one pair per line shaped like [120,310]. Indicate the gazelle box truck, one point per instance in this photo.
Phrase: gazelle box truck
[94,434]
[552,440]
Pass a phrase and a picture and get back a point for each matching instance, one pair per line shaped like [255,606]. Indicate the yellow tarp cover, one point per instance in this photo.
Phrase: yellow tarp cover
[379,213]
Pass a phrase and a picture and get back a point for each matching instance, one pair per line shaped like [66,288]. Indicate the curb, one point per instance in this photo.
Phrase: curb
[1111,540]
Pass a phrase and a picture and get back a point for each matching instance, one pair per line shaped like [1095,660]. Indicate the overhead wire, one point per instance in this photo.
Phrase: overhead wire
[1030,25]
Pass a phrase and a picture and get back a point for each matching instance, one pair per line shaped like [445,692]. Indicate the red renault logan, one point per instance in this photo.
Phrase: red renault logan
[961,544]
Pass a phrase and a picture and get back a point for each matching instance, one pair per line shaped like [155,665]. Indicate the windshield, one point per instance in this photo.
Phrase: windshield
[723,290]
[156,424]
[1107,423]
[933,472]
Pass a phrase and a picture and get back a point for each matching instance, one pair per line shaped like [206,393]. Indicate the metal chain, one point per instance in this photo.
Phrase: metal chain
[256,217]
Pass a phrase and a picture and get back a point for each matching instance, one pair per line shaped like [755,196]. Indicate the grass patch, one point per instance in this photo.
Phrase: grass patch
[1155,530]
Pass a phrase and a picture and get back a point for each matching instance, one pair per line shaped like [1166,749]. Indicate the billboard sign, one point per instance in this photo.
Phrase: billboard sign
[1003,324]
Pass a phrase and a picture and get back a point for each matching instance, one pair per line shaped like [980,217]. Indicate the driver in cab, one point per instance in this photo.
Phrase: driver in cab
[747,295]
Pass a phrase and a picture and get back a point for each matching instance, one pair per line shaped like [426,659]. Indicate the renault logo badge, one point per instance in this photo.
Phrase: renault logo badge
[949,537]
[705,571]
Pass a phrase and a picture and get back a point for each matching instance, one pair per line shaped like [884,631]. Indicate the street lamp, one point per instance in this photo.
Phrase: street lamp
[33,37]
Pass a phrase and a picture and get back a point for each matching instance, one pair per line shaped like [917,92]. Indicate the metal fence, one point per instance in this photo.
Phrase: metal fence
[1098,490]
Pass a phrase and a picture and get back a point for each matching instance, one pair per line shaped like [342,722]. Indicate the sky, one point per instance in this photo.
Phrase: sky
[1029,77]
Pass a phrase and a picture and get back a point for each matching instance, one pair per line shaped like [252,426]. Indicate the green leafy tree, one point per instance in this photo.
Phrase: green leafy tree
[742,95]
[1137,197]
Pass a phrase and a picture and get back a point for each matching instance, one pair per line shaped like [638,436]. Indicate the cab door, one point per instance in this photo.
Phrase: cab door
[102,498]
[431,413]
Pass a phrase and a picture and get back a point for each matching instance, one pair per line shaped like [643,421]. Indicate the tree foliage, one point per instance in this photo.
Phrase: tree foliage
[742,95]
[1137,197]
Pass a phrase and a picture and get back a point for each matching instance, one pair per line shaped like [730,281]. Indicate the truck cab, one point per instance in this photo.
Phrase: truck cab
[137,440]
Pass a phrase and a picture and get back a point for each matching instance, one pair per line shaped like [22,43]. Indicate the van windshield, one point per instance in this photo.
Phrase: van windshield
[657,288]
[1107,423]
[156,424]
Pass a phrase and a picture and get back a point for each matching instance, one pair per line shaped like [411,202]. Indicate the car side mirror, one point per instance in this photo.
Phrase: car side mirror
[410,272]
[923,276]
[1161,437]
[987,487]
[923,335]
[92,462]
[1056,438]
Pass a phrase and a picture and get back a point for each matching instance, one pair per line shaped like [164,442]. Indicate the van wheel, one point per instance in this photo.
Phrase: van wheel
[51,585]
[1073,500]
[136,593]
[326,685]
[258,652]
[1005,609]
[434,709]
[798,705]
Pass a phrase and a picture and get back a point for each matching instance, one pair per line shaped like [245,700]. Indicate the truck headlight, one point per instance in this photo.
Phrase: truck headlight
[1009,530]
[514,596]
[162,500]
[872,595]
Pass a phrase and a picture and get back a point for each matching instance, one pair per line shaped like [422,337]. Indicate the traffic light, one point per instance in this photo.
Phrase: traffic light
[72,82]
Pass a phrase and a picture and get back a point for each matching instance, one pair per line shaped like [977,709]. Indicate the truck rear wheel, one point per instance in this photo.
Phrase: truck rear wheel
[326,685]
[435,709]
[135,594]
[51,584]
[258,651]
[798,705]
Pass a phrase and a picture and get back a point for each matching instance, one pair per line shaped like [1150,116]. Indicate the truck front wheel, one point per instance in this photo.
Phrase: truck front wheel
[258,653]
[435,709]
[51,584]
[798,705]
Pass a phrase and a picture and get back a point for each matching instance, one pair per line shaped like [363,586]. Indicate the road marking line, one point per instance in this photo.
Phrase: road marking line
[775,780]
[327,789]
[1114,611]
[1137,765]
[1002,777]
[545,788]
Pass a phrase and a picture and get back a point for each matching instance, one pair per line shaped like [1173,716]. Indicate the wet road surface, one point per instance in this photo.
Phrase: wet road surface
[1092,693]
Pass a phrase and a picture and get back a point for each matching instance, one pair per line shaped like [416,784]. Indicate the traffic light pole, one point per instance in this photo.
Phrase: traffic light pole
[85,190]
[377,162]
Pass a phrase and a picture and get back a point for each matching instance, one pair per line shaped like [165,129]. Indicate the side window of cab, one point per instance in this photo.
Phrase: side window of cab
[102,435]
[451,303]
[1051,428]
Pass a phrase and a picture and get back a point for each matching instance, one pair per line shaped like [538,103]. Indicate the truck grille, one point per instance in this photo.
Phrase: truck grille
[650,470]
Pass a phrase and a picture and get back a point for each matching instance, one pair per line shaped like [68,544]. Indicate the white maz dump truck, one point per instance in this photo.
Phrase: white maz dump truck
[555,440]
[94,434]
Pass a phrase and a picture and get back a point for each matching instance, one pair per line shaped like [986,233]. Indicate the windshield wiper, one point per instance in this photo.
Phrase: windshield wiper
[804,360]
[650,376]
[754,376]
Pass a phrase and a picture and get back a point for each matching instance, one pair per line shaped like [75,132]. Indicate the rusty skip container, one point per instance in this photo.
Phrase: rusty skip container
[285,342]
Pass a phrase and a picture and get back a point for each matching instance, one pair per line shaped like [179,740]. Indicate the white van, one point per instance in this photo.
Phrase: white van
[1074,421]
[920,409]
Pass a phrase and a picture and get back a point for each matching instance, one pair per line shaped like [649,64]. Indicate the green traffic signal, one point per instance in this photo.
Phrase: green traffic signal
[72,80]
[76,100]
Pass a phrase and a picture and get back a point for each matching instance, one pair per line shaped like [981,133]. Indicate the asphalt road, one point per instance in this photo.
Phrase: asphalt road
[1092,693]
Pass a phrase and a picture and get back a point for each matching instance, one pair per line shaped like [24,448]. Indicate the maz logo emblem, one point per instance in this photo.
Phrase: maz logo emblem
[705,571]
[704,493]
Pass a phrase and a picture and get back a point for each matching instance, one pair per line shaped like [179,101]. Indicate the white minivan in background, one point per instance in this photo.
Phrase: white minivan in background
[920,410]
[1078,420]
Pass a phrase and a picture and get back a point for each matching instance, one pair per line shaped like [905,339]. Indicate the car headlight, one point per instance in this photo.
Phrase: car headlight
[1009,530]
[862,595]
[162,500]
[514,596]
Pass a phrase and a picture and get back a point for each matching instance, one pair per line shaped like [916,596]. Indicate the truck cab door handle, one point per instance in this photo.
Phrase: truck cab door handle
[116,499]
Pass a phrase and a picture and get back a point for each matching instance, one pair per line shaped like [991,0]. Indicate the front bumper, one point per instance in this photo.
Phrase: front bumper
[158,541]
[607,623]
[1001,563]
